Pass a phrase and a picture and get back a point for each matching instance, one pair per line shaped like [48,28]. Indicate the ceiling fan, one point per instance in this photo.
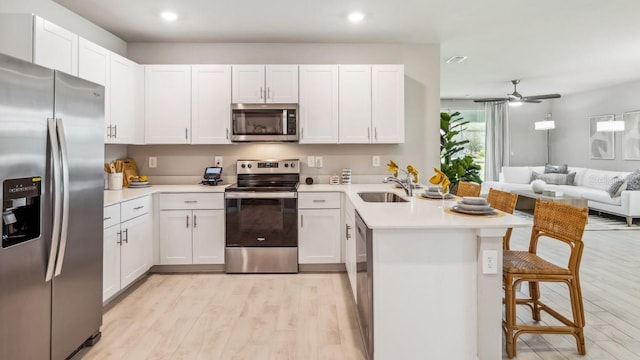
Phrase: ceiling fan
[515,98]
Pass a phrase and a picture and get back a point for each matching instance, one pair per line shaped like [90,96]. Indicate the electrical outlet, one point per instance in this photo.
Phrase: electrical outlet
[153,162]
[489,262]
[218,161]
[375,162]
[318,161]
[311,161]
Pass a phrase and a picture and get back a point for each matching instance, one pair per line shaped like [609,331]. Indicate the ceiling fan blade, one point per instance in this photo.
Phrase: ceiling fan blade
[542,97]
[489,100]
[528,100]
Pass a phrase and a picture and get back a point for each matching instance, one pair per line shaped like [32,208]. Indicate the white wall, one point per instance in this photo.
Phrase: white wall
[570,139]
[60,16]
[422,104]
[528,147]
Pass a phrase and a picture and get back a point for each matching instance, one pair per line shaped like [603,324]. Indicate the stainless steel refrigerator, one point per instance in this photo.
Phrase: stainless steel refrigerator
[51,173]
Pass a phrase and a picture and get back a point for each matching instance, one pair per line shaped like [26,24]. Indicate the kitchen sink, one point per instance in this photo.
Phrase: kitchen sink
[384,197]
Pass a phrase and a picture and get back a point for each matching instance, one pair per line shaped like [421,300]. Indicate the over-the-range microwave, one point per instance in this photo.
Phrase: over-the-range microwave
[264,122]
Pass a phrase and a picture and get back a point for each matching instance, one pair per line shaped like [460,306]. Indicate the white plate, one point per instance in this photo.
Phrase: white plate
[464,206]
[474,212]
[429,195]
[474,200]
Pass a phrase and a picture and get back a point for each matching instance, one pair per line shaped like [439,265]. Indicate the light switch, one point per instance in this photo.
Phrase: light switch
[318,161]
[311,161]
[153,162]
[375,161]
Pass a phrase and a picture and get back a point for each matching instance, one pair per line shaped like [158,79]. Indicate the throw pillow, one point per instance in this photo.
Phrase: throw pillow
[614,186]
[633,180]
[555,179]
[556,169]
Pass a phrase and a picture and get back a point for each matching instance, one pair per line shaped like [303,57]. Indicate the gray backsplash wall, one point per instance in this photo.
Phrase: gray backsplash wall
[180,163]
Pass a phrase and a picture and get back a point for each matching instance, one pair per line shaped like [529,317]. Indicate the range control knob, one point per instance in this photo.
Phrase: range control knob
[293,165]
[286,165]
[249,166]
[243,166]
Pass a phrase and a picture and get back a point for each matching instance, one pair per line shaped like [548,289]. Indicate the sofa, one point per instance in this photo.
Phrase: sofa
[590,184]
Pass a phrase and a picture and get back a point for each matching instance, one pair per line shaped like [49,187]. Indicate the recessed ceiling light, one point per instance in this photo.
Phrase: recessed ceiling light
[356,17]
[456,59]
[169,16]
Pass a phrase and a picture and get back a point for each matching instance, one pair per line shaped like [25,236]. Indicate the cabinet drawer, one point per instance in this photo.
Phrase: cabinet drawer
[194,201]
[136,207]
[319,200]
[111,215]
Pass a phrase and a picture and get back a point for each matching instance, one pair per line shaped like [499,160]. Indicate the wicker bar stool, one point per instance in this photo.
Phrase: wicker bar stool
[468,189]
[503,201]
[555,221]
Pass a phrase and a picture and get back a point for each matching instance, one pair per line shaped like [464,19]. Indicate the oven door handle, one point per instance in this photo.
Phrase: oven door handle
[261,195]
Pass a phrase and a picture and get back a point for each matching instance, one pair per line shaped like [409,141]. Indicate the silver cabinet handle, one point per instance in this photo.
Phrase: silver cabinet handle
[375,133]
[190,201]
[369,133]
[119,242]
[261,92]
[347,231]
[186,134]
[261,239]
[301,220]
[109,132]
[268,93]
[195,221]
[302,133]
[115,131]
[65,195]
[319,200]
[106,218]
[138,207]
[187,221]
[126,237]
[227,133]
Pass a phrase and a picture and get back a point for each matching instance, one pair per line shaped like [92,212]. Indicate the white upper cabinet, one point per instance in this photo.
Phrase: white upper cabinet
[55,47]
[210,104]
[94,63]
[126,109]
[371,104]
[259,84]
[167,104]
[355,104]
[318,107]
[387,101]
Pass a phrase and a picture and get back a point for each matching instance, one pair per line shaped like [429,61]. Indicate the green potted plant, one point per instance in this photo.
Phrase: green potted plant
[453,162]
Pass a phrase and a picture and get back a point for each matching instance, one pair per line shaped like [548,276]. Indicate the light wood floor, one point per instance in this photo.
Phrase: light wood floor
[311,316]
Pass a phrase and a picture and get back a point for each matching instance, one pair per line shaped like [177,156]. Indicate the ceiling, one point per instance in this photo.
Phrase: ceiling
[553,46]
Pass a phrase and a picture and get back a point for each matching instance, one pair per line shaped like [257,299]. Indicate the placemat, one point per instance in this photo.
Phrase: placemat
[499,214]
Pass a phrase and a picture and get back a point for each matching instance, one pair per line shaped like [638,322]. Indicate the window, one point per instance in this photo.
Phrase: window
[475,133]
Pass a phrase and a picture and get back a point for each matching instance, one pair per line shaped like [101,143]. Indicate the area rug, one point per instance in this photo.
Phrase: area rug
[603,222]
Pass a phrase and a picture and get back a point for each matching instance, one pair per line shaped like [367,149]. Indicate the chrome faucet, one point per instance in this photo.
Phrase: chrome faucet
[406,183]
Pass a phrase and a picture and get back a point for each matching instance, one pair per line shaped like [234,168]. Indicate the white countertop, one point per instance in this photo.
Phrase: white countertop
[416,213]
[116,196]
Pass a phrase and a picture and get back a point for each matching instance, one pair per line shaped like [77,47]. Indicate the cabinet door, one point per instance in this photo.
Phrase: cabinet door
[350,251]
[282,84]
[210,104]
[248,84]
[355,104]
[94,65]
[111,262]
[127,120]
[167,104]
[208,236]
[319,236]
[137,247]
[387,103]
[175,237]
[55,47]
[318,104]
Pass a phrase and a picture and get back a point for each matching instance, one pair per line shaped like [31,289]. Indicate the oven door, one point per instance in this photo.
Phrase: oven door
[260,219]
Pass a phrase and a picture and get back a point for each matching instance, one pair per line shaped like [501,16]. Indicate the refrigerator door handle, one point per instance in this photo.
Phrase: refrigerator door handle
[55,233]
[65,195]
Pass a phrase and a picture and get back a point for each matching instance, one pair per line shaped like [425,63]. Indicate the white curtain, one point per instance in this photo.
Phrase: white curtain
[497,139]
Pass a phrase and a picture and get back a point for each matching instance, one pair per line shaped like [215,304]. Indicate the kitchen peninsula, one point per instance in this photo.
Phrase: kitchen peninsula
[431,299]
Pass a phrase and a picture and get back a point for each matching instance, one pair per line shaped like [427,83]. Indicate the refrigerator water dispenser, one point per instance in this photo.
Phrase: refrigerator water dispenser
[21,215]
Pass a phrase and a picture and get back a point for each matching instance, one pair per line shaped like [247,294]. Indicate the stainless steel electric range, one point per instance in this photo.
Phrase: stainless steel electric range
[262,217]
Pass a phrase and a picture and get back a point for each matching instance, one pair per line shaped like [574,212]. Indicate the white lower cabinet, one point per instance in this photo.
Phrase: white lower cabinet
[350,245]
[127,244]
[191,229]
[319,240]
